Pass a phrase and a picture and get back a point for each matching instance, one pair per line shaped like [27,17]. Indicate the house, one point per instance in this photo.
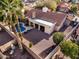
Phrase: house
[64,7]
[73,1]
[45,21]
[66,0]
[29,1]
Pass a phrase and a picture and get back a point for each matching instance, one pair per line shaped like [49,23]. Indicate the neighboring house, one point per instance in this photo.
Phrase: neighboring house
[64,7]
[77,33]
[28,1]
[45,21]
[75,1]
[66,0]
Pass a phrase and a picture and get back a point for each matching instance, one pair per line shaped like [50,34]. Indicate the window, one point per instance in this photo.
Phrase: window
[27,22]
[36,26]
[42,28]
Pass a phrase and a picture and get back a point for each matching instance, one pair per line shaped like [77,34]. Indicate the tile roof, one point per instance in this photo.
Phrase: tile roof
[77,31]
[4,37]
[47,16]
[65,5]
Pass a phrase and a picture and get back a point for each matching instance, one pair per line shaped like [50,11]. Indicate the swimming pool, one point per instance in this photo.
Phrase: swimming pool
[22,27]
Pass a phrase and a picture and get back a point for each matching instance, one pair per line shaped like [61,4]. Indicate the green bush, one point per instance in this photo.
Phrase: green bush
[50,4]
[74,8]
[40,5]
[69,48]
[58,37]
[30,45]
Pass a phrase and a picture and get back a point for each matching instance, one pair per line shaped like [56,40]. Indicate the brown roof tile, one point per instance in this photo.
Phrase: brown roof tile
[4,37]
[48,16]
[77,31]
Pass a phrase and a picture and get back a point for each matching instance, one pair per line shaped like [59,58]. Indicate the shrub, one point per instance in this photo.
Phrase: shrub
[58,37]
[70,49]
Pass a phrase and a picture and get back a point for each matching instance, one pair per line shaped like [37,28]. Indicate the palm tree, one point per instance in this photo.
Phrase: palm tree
[11,10]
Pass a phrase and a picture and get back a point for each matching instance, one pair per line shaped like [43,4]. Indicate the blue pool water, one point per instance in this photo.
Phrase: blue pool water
[22,28]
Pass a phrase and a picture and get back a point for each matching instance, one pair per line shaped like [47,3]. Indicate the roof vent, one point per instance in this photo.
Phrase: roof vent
[44,9]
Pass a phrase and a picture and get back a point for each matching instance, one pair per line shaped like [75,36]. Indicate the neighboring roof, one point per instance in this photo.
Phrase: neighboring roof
[73,17]
[63,9]
[65,5]
[47,16]
[77,31]
[4,37]
[35,36]
[70,17]
[76,18]
[29,1]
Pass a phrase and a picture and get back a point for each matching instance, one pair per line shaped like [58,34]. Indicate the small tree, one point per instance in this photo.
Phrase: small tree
[52,5]
[74,8]
[70,49]
[58,1]
[30,44]
[58,37]
[48,3]
[39,4]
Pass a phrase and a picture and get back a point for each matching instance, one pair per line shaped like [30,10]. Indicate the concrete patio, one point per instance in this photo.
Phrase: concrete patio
[40,45]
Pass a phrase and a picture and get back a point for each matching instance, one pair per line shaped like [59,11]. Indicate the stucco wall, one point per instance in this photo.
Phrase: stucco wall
[48,29]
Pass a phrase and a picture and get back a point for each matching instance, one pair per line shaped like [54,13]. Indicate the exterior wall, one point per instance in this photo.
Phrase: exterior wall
[48,29]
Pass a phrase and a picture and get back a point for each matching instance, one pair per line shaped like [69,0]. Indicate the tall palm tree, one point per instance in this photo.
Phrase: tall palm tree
[11,9]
